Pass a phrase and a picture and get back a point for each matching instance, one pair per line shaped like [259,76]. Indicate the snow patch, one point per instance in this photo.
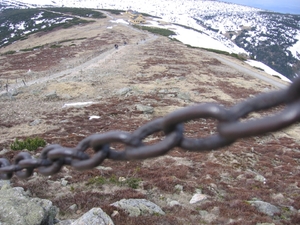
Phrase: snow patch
[20,26]
[267,69]
[119,21]
[295,49]
[196,38]
[94,117]
[77,104]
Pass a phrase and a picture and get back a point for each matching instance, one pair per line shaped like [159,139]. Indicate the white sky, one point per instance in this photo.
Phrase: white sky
[286,6]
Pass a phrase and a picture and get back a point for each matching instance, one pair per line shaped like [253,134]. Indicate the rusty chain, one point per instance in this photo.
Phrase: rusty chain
[229,129]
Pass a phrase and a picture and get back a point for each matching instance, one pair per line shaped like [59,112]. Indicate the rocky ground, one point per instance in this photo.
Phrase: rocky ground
[146,78]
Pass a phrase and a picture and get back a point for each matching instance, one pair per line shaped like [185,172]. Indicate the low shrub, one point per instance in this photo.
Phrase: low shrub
[30,144]
[258,68]
[96,180]
[31,49]
[133,182]
[55,46]
[156,30]
[9,52]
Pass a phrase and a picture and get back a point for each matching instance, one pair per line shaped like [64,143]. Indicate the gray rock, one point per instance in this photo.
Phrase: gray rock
[95,216]
[65,222]
[104,168]
[4,183]
[17,208]
[265,207]
[64,121]
[145,108]
[124,91]
[173,203]
[265,224]
[180,78]
[15,92]
[184,96]
[178,187]
[7,96]
[35,122]
[64,182]
[174,90]
[66,96]
[51,95]
[260,178]
[73,207]
[198,198]
[3,151]
[137,207]
[209,217]
[163,91]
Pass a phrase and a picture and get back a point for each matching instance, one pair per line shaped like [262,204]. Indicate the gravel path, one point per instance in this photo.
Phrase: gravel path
[245,70]
[102,58]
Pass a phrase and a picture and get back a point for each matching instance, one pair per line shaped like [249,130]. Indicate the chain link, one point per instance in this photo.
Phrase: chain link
[229,129]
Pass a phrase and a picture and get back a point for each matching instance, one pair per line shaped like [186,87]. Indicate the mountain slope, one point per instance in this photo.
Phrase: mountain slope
[18,24]
[228,23]
[145,78]
[271,38]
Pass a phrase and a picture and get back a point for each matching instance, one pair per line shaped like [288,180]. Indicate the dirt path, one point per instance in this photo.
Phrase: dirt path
[105,56]
[63,73]
[243,69]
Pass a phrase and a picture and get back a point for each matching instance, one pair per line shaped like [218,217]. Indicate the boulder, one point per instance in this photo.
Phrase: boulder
[17,208]
[137,207]
[198,198]
[124,91]
[145,108]
[35,122]
[265,207]
[65,222]
[184,96]
[96,216]
[52,95]
[4,183]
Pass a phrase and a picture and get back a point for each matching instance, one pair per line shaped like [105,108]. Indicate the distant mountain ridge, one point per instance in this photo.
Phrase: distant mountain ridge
[269,37]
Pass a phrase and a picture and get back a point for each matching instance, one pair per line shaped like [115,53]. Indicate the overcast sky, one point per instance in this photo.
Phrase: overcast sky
[283,6]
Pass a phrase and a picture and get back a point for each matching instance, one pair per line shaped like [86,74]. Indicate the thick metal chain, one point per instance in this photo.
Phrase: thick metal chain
[229,129]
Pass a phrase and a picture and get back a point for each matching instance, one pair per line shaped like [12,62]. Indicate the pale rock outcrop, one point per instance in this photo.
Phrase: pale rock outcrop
[137,207]
[96,216]
[18,208]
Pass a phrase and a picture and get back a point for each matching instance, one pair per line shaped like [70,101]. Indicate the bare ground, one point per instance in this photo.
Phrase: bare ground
[158,72]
